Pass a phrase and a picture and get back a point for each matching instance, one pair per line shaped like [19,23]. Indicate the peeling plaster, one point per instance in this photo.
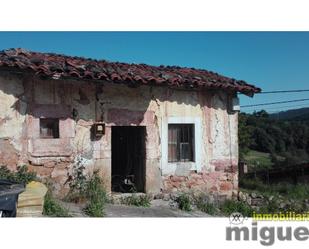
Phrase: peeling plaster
[148,106]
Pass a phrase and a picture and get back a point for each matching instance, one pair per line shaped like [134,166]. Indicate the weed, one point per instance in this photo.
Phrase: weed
[137,200]
[231,206]
[5,173]
[206,207]
[87,189]
[52,208]
[184,202]
[271,207]
[22,175]
[96,196]
[25,176]
[78,182]
[298,192]
[253,184]
[288,190]
[94,208]
[204,204]
[285,196]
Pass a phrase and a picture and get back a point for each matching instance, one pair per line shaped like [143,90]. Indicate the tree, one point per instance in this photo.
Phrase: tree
[286,140]
[244,136]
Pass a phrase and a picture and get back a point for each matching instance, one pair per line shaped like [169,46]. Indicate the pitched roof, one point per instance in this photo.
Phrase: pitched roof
[57,66]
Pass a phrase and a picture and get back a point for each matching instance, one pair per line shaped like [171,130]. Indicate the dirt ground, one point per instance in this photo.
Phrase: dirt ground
[159,208]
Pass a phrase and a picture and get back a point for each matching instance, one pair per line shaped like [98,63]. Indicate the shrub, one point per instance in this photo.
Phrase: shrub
[78,182]
[231,206]
[288,190]
[25,176]
[271,206]
[87,189]
[206,207]
[184,202]
[94,208]
[52,208]
[253,184]
[96,196]
[204,204]
[22,175]
[298,192]
[137,200]
[5,173]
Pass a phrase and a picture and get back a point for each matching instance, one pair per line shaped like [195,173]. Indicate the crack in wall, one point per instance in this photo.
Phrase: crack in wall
[213,139]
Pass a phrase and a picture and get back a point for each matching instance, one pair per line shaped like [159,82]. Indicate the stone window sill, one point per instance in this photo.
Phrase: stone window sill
[54,147]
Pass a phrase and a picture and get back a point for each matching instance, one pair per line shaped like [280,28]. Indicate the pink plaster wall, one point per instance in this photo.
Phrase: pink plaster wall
[120,116]
[54,157]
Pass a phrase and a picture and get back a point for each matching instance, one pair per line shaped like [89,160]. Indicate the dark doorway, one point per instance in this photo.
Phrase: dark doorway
[128,159]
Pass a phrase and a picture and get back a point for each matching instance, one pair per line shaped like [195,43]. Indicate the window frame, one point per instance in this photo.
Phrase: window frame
[184,135]
[55,130]
[168,168]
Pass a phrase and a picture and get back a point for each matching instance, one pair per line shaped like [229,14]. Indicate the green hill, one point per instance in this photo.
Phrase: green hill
[285,141]
[294,114]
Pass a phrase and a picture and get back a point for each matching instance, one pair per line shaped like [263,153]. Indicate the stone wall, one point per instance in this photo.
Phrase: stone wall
[23,100]
[221,182]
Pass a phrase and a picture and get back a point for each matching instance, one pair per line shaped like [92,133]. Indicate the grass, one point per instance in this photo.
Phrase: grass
[286,190]
[292,196]
[93,193]
[208,208]
[22,175]
[184,202]
[52,208]
[203,203]
[137,200]
[299,191]
[95,209]
[231,206]
[96,196]
[87,189]
[253,184]
[258,160]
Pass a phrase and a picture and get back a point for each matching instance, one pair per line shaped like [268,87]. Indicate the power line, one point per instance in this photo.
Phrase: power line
[285,91]
[275,103]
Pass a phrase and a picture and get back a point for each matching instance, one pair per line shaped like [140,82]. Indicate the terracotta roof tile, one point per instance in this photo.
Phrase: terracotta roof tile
[59,66]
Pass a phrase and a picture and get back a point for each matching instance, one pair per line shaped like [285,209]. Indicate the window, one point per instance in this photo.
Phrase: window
[49,127]
[180,142]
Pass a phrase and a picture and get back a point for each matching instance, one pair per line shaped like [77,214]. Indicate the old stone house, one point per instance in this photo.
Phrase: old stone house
[159,128]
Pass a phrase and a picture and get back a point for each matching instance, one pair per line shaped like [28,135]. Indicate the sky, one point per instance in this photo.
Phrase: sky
[270,60]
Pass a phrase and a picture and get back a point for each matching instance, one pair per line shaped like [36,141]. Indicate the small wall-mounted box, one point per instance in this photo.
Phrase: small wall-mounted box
[98,129]
[235,107]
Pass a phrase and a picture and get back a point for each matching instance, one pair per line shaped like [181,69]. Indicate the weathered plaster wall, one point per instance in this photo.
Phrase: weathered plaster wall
[12,120]
[23,101]
[217,173]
